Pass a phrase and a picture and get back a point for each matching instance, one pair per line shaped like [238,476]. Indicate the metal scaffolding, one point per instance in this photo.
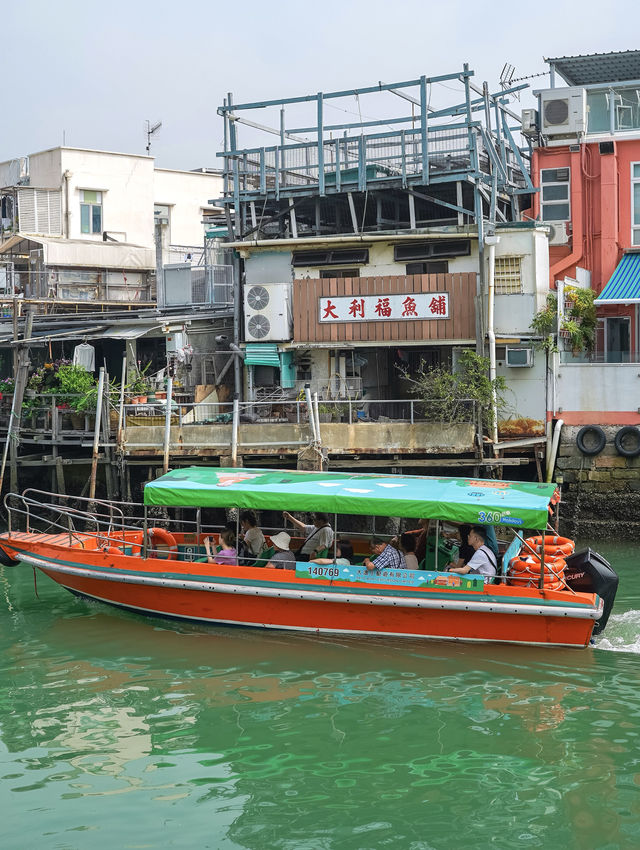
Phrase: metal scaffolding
[427,167]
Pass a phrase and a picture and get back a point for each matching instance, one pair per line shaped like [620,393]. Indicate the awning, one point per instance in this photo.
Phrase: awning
[518,503]
[263,354]
[624,286]
[81,253]
[597,67]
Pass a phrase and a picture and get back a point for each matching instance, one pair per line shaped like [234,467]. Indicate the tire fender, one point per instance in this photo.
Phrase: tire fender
[628,431]
[596,433]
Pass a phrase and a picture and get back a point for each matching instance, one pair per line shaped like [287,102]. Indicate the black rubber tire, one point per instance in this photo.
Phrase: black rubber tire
[6,560]
[598,440]
[627,431]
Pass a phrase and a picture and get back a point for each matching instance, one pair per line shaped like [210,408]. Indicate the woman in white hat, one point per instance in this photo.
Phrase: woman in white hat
[283,558]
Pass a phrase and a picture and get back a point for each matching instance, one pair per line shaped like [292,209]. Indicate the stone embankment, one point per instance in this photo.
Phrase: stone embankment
[601,493]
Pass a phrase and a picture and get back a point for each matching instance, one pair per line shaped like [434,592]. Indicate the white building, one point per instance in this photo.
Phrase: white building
[80,224]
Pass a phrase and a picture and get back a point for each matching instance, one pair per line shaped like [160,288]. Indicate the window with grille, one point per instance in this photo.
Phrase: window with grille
[508,276]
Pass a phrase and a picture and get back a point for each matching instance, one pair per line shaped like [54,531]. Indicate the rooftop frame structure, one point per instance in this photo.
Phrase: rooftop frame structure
[458,165]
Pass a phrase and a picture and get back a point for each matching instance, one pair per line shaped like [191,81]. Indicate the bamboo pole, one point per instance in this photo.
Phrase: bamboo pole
[96,436]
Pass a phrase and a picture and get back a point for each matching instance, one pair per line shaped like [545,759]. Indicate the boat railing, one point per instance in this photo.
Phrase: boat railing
[105,521]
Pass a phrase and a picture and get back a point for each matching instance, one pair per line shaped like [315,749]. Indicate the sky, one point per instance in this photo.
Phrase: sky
[91,74]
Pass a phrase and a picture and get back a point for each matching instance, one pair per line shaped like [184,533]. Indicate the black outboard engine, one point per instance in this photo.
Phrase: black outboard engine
[588,572]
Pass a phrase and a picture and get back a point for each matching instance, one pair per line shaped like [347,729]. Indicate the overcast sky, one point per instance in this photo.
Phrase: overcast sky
[96,71]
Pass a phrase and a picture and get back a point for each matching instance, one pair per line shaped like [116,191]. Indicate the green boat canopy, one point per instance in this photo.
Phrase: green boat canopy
[486,502]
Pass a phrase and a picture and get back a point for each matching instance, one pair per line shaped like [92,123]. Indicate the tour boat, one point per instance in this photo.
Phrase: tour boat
[545,594]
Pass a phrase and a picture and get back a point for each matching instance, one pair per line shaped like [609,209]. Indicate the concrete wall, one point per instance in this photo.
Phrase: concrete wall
[187,193]
[526,396]
[601,494]
[598,393]
[360,438]
[126,182]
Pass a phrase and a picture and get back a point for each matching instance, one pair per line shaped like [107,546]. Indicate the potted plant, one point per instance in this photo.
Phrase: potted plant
[325,412]
[7,386]
[580,321]
[74,385]
[138,388]
[545,322]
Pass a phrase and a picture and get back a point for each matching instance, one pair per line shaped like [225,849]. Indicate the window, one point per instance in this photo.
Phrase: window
[433,248]
[635,203]
[555,194]
[90,211]
[428,267]
[330,258]
[508,276]
[339,273]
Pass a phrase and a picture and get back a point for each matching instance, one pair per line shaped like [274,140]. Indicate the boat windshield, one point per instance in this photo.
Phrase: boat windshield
[487,502]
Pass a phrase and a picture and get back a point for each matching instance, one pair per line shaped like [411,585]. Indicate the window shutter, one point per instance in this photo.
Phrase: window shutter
[39,211]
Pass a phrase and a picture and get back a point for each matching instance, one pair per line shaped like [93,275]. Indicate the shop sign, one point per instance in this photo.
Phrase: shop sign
[375,308]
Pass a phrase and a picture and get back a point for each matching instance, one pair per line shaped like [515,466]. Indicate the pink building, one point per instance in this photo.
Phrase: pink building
[586,162]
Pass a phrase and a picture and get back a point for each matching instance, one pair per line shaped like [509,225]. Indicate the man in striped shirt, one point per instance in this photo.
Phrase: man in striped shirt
[386,557]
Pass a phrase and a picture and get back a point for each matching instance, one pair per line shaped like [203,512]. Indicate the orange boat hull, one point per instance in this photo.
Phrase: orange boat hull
[281,600]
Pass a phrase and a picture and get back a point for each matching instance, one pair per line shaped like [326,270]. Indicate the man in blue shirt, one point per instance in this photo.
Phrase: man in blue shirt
[386,557]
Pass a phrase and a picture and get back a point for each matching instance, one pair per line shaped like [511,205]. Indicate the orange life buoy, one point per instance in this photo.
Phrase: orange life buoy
[525,572]
[161,535]
[553,545]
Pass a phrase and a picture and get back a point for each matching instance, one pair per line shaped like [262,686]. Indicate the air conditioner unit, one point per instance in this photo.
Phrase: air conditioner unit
[563,113]
[557,232]
[518,358]
[267,312]
[530,126]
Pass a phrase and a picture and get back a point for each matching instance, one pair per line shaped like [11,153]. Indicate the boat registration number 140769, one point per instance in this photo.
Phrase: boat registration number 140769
[330,572]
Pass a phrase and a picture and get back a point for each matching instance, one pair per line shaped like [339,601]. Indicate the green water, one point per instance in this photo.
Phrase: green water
[121,732]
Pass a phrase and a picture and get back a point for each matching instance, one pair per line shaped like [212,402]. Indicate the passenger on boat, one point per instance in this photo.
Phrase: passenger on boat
[386,557]
[466,550]
[407,545]
[483,561]
[344,555]
[251,536]
[318,536]
[283,558]
[421,540]
[227,554]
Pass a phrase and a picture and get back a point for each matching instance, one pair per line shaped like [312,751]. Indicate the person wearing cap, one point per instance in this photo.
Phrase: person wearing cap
[283,558]
[387,557]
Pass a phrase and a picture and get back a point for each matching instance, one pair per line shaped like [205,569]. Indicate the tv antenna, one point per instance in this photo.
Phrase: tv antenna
[507,78]
[151,129]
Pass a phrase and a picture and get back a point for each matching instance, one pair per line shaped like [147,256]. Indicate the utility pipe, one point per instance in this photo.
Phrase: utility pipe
[491,241]
[316,416]
[96,436]
[354,239]
[67,210]
[551,461]
[167,425]
[234,430]
[312,418]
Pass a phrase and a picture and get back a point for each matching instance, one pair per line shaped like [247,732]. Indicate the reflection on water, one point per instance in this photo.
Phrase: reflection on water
[117,731]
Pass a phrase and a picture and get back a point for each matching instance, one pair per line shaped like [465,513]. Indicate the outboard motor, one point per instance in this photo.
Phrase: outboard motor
[589,572]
